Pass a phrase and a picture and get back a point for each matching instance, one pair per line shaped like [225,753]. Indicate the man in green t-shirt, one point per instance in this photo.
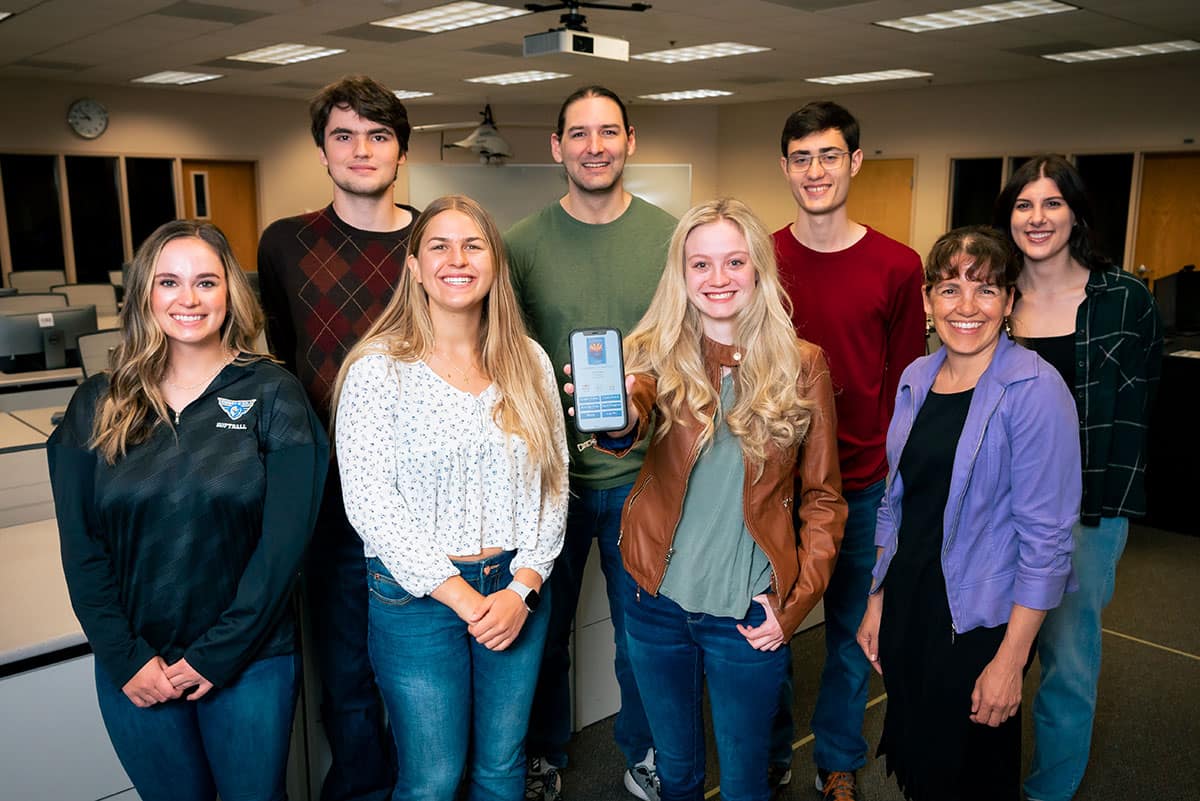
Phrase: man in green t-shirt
[593,258]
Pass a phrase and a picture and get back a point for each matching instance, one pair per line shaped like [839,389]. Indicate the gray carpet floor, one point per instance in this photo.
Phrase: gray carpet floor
[1146,743]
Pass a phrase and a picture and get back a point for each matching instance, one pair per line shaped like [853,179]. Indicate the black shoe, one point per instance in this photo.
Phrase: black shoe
[779,776]
[542,782]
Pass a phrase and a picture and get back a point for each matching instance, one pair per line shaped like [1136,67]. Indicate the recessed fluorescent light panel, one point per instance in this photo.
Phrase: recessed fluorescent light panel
[527,76]
[287,53]
[404,94]
[688,94]
[700,52]
[5,15]
[178,78]
[869,77]
[450,17]
[961,17]
[1158,48]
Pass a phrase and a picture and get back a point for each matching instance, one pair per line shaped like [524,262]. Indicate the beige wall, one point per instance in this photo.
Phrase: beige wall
[1120,109]
[733,149]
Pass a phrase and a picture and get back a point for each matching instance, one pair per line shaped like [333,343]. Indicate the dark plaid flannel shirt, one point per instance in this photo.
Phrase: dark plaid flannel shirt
[1118,352]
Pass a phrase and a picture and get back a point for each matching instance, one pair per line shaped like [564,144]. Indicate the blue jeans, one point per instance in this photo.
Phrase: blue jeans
[837,721]
[352,715]
[233,741]
[592,514]
[673,653]
[456,707]
[1069,648]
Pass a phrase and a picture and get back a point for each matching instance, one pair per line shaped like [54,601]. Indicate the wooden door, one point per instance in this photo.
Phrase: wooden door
[1168,222]
[227,195]
[881,197]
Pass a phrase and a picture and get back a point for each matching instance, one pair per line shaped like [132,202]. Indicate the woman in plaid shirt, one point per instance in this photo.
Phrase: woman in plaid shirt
[1099,326]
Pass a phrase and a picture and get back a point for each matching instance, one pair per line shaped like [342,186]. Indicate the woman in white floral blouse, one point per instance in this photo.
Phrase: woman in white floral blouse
[453,459]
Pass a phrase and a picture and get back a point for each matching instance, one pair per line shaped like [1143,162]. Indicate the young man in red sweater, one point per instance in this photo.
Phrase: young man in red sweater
[857,294]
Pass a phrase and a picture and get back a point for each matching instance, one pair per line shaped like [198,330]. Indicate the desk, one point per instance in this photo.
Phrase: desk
[17,435]
[1172,474]
[37,615]
[71,375]
[39,418]
[106,321]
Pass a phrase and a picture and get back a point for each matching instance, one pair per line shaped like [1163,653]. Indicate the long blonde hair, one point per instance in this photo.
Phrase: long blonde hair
[404,331]
[134,404]
[769,412]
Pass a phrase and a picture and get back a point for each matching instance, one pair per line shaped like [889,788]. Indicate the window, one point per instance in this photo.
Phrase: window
[31,208]
[1109,178]
[974,184]
[93,189]
[151,186]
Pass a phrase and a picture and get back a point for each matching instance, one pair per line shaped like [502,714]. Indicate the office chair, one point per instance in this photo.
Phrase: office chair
[102,296]
[36,280]
[95,350]
[32,302]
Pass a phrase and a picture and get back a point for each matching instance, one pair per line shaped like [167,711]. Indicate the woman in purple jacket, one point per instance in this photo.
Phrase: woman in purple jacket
[974,533]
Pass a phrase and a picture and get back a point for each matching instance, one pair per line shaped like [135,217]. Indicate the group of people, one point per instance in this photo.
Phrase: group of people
[789,441]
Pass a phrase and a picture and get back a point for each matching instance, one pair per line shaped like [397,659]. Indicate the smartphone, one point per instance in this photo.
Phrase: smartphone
[598,372]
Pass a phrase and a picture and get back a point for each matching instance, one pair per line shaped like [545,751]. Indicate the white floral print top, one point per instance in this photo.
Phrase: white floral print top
[426,472]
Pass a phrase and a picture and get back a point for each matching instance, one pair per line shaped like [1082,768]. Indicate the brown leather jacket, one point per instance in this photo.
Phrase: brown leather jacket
[800,567]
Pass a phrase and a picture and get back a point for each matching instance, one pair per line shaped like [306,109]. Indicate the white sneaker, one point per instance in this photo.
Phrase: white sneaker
[642,779]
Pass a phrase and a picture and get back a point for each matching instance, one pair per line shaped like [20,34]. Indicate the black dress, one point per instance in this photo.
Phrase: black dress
[929,671]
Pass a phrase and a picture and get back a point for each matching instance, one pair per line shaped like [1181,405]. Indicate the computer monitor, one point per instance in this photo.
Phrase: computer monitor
[44,340]
[1178,297]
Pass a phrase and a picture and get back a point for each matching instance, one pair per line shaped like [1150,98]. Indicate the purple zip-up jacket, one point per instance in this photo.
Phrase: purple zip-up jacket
[1014,492]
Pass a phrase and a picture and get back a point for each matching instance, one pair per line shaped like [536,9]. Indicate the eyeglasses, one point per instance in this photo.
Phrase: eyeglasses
[829,160]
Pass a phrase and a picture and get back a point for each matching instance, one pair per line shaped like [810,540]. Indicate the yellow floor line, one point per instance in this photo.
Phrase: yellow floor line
[796,746]
[1166,648]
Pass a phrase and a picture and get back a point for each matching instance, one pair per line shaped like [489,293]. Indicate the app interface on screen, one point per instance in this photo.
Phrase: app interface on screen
[598,379]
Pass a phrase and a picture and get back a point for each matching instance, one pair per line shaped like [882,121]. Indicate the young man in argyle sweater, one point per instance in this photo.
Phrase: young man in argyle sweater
[325,276]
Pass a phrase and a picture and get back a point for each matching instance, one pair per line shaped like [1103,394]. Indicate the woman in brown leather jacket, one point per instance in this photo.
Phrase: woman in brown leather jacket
[743,419]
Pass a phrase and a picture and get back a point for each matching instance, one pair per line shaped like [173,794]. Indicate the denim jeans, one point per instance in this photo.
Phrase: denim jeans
[233,741]
[592,514]
[457,708]
[837,721]
[1069,649]
[352,714]
[673,653]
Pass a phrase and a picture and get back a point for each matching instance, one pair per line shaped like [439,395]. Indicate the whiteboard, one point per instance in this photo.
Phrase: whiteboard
[511,192]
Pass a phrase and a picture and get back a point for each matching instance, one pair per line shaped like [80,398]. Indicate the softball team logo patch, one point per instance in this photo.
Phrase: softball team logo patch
[236,409]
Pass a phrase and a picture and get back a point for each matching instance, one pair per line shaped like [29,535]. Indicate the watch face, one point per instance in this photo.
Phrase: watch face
[88,118]
[532,600]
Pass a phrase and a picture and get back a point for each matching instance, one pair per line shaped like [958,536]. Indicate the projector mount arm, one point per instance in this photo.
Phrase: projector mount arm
[573,20]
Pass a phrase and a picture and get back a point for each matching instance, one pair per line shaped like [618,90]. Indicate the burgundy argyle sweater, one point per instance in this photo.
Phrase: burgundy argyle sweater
[323,283]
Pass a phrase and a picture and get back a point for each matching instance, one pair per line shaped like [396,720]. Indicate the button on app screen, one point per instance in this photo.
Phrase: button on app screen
[598,382]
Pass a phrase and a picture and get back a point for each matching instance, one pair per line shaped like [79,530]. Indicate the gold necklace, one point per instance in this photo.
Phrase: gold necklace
[225,359]
[466,376]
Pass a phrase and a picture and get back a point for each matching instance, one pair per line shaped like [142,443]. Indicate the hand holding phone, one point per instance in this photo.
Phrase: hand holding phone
[598,373]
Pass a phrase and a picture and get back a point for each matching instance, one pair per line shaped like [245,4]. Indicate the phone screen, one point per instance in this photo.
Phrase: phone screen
[598,372]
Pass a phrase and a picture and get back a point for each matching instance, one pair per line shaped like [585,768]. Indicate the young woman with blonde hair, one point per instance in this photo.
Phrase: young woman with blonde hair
[720,577]
[453,459]
[186,482]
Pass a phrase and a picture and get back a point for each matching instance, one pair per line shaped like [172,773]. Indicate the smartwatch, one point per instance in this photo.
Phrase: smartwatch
[528,594]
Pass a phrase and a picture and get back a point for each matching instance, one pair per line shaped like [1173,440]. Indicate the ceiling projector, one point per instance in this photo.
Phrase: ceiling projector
[580,43]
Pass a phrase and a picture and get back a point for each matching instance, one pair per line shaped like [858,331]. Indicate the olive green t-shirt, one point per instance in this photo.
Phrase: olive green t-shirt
[716,567]
[570,274]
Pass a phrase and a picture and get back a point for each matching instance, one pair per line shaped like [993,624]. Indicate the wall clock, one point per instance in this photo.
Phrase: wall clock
[87,117]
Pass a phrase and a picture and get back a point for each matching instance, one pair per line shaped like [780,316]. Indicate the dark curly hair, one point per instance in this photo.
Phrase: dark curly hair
[367,98]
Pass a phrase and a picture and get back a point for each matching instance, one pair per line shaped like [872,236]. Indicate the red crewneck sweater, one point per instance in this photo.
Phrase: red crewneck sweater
[862,305]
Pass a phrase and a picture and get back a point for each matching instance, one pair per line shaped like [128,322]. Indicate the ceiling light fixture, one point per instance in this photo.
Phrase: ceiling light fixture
[451,17]
[525,76]
[686,94]
[177,78]
[1155,49]
[5,15]
[868,77]
[700,52]
[286,53]
[978,15]
[405,94]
